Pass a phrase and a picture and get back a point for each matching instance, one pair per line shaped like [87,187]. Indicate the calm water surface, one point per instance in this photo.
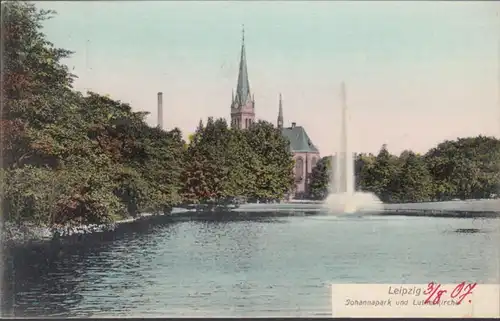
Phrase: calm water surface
[242,267]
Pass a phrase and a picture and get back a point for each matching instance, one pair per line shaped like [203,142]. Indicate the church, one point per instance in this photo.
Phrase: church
[304,152]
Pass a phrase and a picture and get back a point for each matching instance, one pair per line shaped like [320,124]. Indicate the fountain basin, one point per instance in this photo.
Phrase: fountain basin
[348,203]
[469,208]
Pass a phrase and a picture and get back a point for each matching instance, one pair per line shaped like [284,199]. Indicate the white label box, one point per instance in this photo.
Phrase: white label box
[465,299]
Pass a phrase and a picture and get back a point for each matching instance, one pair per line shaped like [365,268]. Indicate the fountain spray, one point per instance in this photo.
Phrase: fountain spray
[342,196]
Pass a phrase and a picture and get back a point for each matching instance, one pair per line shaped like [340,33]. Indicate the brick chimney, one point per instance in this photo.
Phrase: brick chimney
[160,110]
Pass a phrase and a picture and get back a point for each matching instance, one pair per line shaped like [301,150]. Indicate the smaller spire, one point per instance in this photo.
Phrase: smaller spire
[280,113]
[232,96]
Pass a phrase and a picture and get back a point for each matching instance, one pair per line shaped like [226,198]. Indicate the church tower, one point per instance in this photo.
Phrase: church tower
[243,104]
[280,114]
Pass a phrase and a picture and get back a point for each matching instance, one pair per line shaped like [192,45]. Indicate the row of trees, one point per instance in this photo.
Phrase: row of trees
[466,168]
[69,158]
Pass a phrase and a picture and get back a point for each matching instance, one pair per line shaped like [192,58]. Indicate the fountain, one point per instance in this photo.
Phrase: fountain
[343,197]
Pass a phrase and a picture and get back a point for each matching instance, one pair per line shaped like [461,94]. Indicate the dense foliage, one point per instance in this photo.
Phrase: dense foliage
[223,164]
[69,158]
[466,168]
[320,178]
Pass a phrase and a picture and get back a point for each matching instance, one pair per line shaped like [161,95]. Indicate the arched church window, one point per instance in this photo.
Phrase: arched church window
[299,168]
[313,162]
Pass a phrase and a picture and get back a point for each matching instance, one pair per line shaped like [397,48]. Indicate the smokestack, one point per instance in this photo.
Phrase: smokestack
[160,110]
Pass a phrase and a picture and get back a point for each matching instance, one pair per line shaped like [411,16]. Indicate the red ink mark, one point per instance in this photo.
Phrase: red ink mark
[462,287]
[433,293]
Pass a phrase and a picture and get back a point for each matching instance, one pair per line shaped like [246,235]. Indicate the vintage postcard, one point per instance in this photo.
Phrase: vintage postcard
[250,159]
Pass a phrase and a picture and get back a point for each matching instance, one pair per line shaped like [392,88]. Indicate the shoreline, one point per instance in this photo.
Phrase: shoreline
[440,213]
[466,208]
[28,233]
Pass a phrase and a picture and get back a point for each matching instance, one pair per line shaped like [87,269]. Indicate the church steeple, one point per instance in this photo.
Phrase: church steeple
[280,114]
[242,105]
[243,88]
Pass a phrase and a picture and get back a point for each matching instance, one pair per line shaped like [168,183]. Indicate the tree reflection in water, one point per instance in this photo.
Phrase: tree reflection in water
[48,279]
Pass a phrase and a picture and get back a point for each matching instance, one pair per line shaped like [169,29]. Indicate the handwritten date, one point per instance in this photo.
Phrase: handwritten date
[435,292]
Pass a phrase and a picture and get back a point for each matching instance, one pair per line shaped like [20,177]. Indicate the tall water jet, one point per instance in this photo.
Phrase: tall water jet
[344,160]
[342,197]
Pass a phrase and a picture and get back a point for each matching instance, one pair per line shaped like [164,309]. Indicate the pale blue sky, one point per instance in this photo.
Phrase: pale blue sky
[416,72]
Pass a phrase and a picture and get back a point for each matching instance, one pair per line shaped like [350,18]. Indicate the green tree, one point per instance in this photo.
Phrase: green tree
[465,168]
[223,163]
[381,178]
[244,164]
[108,163]
[274,174]
[42,127]
[206,163]
[414,180]
[320,178]
[35,85]
[363,164]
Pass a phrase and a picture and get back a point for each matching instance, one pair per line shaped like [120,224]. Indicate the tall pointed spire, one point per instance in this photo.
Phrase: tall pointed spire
[243,95]
[280,114]
[243,104]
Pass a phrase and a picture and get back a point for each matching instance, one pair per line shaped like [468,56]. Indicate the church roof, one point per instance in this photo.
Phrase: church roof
[299,140]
